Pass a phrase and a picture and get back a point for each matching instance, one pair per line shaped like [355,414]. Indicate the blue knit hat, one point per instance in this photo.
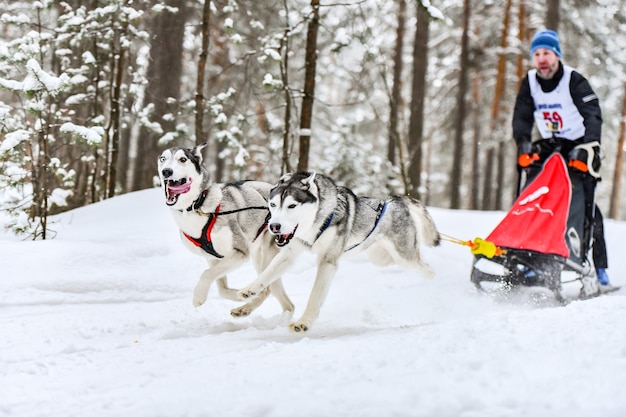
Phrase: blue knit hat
[548,39]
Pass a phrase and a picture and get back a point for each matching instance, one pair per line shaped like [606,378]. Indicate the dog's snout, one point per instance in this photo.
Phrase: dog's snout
[275,228]
[167,172]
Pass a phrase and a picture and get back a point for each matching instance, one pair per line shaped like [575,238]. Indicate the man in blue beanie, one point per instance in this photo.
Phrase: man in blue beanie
[566,111]
[547,39]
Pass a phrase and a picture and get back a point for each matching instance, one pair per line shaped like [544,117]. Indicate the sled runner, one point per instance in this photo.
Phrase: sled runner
[544,239]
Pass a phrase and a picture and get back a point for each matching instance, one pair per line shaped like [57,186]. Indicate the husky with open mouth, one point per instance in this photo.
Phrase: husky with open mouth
[310,212]
[224,223]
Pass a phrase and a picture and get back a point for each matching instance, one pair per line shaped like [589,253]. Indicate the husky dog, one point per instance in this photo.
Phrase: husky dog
[225,223]
[310,212]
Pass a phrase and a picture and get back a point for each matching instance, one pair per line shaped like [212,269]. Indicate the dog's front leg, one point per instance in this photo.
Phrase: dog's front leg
[218,269]
[325,273]
[252,304]
[280,263]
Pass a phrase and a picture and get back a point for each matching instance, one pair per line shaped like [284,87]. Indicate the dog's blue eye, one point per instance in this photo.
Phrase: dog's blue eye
[291,206]
[272,205]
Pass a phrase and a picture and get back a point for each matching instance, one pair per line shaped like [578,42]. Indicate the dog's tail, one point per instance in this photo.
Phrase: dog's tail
[428,235]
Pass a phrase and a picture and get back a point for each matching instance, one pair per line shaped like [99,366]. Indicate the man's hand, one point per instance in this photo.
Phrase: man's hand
[525,155]
[578,159]
[579,165]
[525,159]
[586,158]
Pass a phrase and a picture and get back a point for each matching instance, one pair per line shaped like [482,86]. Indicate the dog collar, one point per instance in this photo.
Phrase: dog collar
[199,202]
[204,241]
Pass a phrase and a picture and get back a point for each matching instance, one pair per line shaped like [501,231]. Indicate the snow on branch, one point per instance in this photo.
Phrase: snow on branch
[13,139]
[36,80]
[92,135]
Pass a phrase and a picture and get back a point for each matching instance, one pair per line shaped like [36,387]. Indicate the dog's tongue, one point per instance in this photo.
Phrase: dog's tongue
[282,240]
[180,189]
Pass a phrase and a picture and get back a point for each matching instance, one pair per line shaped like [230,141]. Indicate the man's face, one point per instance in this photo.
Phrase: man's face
[546,62]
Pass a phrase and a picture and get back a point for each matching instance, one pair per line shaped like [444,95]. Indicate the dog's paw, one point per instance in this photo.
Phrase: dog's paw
[299,327]
[199,298]
[428,272]
[242,311]
[249,292]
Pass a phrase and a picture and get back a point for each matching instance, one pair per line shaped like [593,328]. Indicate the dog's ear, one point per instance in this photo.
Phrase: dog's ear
[308,181]
[285,178]
[197,151]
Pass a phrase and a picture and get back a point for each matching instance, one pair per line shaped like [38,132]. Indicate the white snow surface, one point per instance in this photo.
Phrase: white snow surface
[99,322]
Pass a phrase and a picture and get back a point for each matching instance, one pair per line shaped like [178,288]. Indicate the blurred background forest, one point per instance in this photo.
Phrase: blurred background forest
[404,96]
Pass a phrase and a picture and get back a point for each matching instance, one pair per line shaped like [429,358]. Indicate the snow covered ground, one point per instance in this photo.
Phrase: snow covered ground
[99,322]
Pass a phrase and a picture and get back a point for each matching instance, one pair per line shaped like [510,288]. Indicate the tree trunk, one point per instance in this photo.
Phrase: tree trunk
[418,94]
[488,180]
[457,162]
[41,188]
[496,130]
[616,193]
[476,169]
[204,52]
[114,124]
[501,74]
[284,76]
[394,104]
[501,173]
[220,58]
[309,87]
[552,14]
[521,37]
[164,71]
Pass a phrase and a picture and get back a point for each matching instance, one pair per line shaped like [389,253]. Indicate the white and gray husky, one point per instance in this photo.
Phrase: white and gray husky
[225,223]
[310,212]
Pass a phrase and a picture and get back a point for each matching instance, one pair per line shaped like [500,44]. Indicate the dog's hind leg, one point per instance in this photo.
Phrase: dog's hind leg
[416,264]
[278,291]
[412,259]
[425,270]
[379,255]
[224,290]
[325,273]
[218,269]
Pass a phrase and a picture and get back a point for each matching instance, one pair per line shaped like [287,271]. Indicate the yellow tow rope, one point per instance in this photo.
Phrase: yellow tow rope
[478,246]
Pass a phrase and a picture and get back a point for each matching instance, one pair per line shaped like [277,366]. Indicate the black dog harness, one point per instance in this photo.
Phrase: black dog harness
[204,242]
[380,210]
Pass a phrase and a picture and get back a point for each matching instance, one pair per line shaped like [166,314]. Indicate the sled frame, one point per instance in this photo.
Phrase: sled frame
[547,269]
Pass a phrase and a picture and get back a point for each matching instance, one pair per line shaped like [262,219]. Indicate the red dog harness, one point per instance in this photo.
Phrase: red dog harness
[204,241]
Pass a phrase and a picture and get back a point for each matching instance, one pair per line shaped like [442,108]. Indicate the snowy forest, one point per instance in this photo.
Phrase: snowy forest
[403,97]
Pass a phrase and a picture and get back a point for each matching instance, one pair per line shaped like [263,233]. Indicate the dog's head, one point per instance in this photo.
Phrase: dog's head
[293,206]
[182,175]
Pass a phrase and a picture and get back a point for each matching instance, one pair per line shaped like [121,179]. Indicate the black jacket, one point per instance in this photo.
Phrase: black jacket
[579,88]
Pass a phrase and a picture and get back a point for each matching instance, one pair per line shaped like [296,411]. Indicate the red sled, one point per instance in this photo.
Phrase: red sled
[543,235]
